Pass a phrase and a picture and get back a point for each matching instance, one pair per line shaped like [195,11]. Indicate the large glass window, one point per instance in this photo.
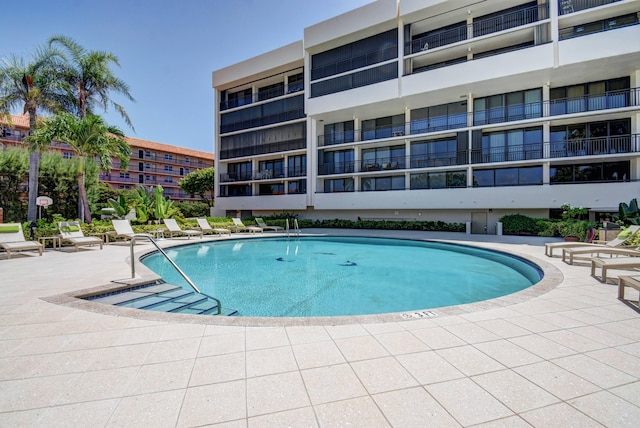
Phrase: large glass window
[370,184]
[239,171]
[508,107]
[273,168]
[338,185]
[382,158]
[383,127]
[439,180]
[271,189]
[512,145]
[596,138]
[605,94]
[589,173]
[338,133]
[299,186]
[523,176]
[434,153]
[438,118]
[336,162]
[297,166]
[271,91]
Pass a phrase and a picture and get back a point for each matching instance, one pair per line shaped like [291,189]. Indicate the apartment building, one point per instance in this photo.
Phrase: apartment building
[151,163]
[437,110]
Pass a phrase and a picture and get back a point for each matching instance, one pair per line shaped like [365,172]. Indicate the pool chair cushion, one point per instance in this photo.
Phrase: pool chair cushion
[9,228]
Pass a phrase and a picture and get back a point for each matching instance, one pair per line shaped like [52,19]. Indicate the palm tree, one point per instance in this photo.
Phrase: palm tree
[89,137]
[89,79]
[31,86]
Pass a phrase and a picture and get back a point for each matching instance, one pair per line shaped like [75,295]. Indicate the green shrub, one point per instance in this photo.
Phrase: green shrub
[518,224]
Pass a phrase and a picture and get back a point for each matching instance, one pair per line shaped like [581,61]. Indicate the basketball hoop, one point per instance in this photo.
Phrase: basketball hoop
[43,201]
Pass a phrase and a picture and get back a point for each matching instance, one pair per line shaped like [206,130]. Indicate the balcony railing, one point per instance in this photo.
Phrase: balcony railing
[263,120]
[598,26]
[261,96]
[595,146]
[261,149]
[481,27]
[559,106]
[569,6]
[264,174]
[387,52]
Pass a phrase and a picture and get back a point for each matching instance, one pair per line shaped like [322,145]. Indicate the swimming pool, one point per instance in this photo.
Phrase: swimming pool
[333,276]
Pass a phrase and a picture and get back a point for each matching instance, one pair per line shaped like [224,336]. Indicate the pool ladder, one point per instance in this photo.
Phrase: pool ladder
[296,229]
[166,256]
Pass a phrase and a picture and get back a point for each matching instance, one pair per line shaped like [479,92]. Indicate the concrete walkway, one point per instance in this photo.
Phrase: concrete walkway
[566,353]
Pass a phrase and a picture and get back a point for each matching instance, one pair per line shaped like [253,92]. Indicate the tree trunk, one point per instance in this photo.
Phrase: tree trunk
[83,203]
[34,169]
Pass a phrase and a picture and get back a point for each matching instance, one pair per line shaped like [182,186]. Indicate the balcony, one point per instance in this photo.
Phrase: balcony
[597,146]
[607,100]
[482,27]
[584,147]
[261,96]
[263,120]
[566,7]
[265,174]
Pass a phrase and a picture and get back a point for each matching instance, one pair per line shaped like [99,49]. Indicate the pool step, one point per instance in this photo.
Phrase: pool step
[164,297]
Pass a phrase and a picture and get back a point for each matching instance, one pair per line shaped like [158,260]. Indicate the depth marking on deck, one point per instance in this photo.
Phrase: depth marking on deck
[419,314]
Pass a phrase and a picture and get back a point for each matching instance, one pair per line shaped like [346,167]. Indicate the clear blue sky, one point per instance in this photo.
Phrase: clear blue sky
[167,49]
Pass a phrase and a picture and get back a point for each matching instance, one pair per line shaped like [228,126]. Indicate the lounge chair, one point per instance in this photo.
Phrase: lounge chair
[206,228]
[264,226]
[613,263]
[71,232]
[628,281]
[568,254]
[174,229]
[123,230]
[238,226]
[549,247]
[12,239]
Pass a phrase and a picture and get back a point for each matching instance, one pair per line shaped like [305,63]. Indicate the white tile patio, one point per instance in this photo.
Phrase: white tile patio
[563,354]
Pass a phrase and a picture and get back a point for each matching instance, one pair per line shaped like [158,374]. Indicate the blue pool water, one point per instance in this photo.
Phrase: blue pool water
[330,276]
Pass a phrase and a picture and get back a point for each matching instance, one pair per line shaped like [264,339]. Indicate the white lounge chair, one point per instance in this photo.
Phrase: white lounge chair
[613,263]
[569,254]
[174,229]
[264,226]
[71,232]
[12,239]
[206,228]
[238,226]
[549,247]
[122,230]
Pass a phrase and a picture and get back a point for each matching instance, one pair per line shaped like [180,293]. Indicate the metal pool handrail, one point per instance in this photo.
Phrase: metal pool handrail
[295,227]
[166,256]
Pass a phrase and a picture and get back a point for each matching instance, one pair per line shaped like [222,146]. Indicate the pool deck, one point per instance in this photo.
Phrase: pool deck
[564,353]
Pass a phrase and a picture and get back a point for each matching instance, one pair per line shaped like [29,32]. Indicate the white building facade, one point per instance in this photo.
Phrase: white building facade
[451,110]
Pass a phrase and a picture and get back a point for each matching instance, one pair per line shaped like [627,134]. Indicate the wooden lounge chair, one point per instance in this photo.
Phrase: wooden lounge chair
[264,226]
[12,239]
[613,263]
[628,281]
[569,254]
[174,229]
[71,232]
[550,246]
[238,226]
[206,228]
